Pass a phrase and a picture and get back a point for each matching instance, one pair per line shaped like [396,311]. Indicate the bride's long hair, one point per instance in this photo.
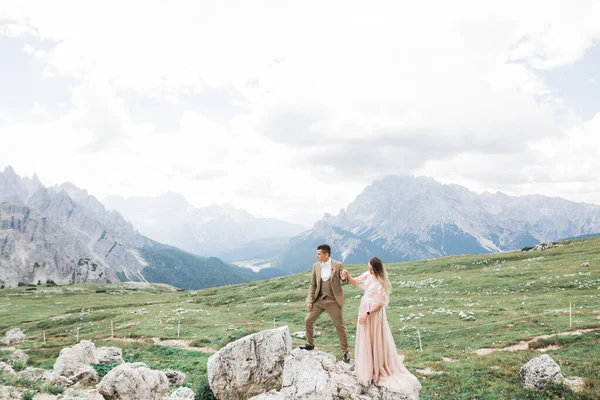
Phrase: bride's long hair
[381,274]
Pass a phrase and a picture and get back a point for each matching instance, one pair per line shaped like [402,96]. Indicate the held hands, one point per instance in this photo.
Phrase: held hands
[344,275]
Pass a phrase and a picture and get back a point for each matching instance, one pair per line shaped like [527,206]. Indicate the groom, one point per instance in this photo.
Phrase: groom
[325,295]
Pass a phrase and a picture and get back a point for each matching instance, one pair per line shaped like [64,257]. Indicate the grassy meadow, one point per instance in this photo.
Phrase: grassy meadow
[507,298]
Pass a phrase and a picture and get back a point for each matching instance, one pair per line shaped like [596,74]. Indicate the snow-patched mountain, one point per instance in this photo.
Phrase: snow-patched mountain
[405,218]
[61,234]
[217,230]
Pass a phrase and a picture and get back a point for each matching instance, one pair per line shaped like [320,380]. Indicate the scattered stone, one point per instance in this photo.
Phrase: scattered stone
[585,264]
[466,317]
[6,369]
[85,374]
[181,394]
[110,355]
[540,372]
[14,336]
[546,246]
[52,378]
[250,366]
[133,381]
[300,334]
[32,373]
[176,378]
[574,383]
[449,360]
[18,357]
[429,371]
[71,358]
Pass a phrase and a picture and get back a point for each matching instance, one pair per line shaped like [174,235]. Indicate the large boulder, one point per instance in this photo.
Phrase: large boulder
[181,394]
[6,369]
[540,372]
[133,381]
[175,378]
[18,357]
[110,355]
[13,336]
[71,358]
[316,375]
[251,365]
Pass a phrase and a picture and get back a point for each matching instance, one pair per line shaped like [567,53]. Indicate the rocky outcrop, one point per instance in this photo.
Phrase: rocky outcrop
[250,366]
[110,355]
[72,358]
[540,372]
[133,381]
[14,336]
[316,375]
[176,378]
[62,235]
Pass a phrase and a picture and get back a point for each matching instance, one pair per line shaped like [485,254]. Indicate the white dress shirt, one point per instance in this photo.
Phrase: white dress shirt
[326,270]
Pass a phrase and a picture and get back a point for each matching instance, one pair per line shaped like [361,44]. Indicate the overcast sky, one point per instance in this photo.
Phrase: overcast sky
[280,107]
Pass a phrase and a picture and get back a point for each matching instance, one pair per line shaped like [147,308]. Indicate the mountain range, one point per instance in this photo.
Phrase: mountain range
[218,230]
[63,235]
[401,218]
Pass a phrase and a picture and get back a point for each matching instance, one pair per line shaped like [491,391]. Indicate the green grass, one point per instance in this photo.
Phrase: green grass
[514,296]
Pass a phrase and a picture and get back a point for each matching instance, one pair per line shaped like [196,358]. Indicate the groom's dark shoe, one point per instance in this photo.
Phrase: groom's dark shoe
[307,347]
[346,358]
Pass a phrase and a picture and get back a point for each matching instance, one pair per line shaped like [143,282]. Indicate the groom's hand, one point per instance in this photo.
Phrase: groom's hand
[309,306]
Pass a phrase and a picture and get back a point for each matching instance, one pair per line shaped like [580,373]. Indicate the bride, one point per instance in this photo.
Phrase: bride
[376,357]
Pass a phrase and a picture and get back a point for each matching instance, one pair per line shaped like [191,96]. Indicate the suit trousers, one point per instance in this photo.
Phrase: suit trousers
[330,306]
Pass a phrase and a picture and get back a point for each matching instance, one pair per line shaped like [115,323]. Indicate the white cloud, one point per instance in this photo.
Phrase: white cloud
[334,94]
[33,52]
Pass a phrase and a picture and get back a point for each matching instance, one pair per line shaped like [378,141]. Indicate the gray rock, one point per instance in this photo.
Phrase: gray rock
[181,394]
[19,356]
[32,373]
[6,369]
[14,336]
[316,375]
[540,372]
[133,381]
[272,395]
[250,366]
[585,264]
[52,378]
[176,378]
[110,355]
[71,358]
[85,374]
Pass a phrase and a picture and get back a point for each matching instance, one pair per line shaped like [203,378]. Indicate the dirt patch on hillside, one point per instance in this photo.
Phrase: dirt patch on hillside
[175,343]
[524,345]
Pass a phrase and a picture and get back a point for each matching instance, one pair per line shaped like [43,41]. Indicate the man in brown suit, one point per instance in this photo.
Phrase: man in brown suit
[325,294]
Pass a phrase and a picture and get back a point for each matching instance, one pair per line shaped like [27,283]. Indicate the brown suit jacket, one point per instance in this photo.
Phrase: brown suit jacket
[336,283]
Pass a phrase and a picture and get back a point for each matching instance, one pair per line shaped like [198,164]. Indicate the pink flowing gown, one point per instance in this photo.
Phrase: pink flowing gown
[375,354]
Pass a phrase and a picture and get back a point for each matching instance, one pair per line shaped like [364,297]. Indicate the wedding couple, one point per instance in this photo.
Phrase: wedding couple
[376,358]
